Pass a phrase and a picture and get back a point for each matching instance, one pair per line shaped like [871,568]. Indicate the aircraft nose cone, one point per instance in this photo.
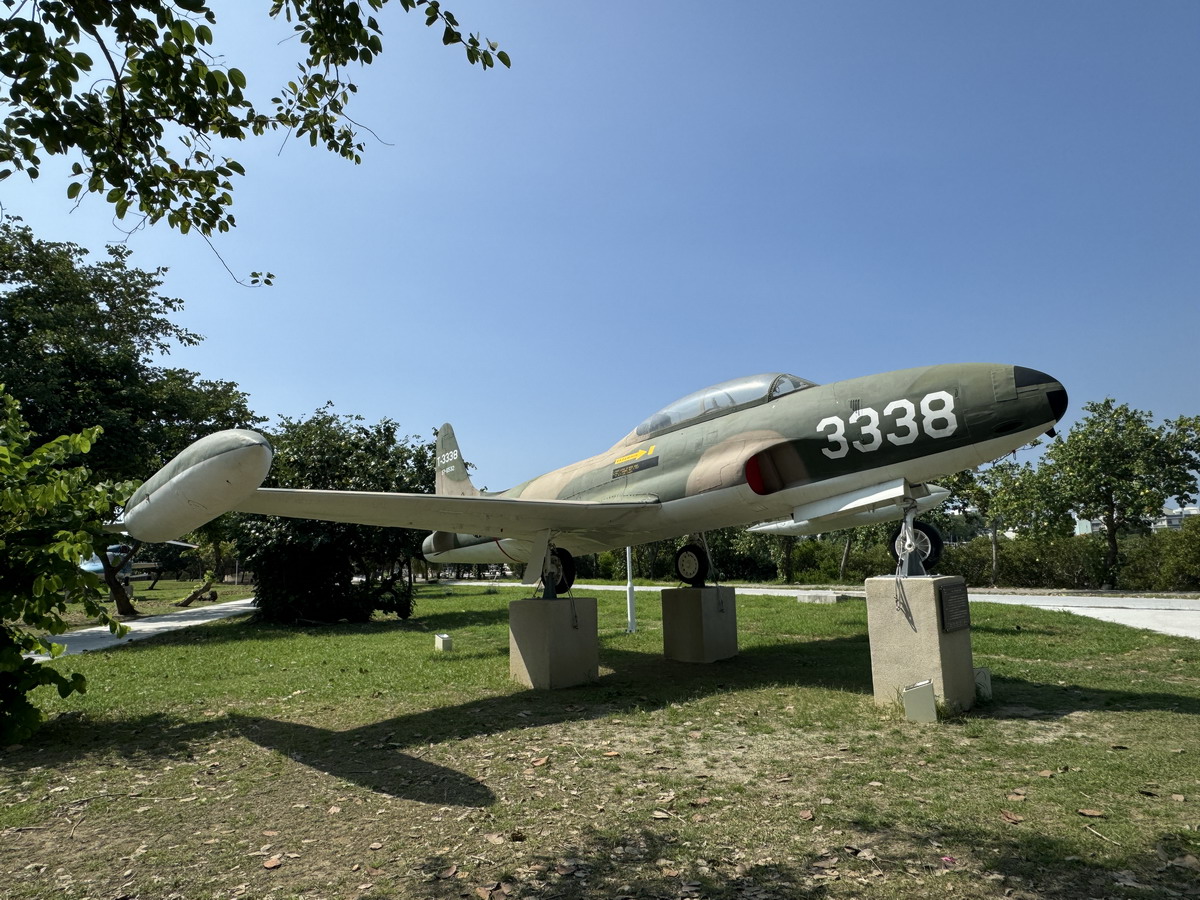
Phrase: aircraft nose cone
[1056,394]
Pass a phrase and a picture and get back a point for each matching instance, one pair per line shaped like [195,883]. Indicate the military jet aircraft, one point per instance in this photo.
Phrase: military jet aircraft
[773,451]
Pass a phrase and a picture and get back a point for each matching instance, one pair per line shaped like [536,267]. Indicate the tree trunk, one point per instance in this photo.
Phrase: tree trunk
[845,557]
[118,595]
[1111,555]
[196,594]
[995,554]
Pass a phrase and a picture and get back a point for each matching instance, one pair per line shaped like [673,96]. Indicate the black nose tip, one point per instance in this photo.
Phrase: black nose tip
[1031,377]
[1056,394]
[1058,402]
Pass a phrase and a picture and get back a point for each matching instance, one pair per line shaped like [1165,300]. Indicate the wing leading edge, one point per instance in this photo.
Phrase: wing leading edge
[493,516]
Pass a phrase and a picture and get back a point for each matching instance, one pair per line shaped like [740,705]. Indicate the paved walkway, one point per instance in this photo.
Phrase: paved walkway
[100,638]
[1176,616]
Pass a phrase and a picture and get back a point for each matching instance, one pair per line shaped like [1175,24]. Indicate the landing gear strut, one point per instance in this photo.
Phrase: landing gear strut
[927,545]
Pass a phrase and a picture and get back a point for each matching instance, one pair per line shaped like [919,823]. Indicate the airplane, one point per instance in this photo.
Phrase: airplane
[772,452]
[120,556]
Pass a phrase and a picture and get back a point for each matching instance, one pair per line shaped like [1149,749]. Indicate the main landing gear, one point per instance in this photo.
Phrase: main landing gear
[559,570]
[691,564]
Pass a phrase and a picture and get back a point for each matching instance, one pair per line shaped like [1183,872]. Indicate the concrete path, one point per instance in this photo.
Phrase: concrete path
[100,638]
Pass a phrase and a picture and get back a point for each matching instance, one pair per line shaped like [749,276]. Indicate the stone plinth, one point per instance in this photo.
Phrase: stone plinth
[910,642]
[699,624]
[553,643]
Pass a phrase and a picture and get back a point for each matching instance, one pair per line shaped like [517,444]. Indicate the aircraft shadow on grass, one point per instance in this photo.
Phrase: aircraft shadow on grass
[379,755]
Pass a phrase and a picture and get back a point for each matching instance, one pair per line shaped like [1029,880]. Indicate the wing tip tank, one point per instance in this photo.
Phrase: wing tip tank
[207,479]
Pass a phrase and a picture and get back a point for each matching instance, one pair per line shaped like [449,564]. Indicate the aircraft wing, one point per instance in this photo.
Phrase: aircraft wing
[492,516]
[222,472]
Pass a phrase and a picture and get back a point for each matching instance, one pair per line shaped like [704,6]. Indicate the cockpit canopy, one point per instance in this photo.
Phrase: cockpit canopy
[721,399]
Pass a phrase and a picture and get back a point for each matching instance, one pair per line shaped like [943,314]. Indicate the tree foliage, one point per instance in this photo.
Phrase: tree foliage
[139,93]
[306,570]
[51,517]
[1115,465]
[78,347]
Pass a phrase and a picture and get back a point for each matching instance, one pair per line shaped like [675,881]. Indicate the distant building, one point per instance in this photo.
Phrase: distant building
[1171,519]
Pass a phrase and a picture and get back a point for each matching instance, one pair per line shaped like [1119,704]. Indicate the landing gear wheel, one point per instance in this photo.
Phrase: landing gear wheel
[929,544]
[691,564]
[561,569]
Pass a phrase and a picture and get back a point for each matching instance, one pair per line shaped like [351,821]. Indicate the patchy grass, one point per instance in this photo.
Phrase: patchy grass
[239,760]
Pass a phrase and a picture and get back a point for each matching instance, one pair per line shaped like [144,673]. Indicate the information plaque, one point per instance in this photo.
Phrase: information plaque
[956,611]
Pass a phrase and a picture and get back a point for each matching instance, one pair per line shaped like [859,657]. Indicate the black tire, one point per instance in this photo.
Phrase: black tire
[562,564]
[691,564]
[929,544]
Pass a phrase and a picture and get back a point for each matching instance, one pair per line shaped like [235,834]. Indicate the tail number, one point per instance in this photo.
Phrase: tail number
[899,424]
[446,458]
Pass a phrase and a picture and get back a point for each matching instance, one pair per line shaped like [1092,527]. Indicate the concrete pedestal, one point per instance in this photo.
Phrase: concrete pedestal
[553,643]
[699,624]
[923,635]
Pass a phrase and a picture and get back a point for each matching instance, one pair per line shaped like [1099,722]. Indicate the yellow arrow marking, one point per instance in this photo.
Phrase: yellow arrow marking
[632,456]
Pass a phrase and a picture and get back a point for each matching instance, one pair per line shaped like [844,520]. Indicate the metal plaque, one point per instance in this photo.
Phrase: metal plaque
[956,611]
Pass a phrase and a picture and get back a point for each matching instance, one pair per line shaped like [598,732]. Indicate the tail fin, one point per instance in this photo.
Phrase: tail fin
[452,478]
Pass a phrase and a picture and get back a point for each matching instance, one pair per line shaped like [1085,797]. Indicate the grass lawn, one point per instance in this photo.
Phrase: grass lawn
[238,760]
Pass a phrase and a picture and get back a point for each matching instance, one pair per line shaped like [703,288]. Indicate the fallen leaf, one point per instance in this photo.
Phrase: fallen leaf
[494,838]
[273,863]
[448,873]
[540,761]
[806,815]
[1046,773]
[376,845]
[611,753]
[270,833]
[1186,862]
[828,863]
[1178,798]
[1091,813]
[661,814]
[1011,817]
[1017,797]
[334,809]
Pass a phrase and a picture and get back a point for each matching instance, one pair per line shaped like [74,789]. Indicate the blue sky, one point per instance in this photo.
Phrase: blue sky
[660,196]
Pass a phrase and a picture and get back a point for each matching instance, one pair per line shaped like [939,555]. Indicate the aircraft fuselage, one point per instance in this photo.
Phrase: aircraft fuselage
[752,461]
